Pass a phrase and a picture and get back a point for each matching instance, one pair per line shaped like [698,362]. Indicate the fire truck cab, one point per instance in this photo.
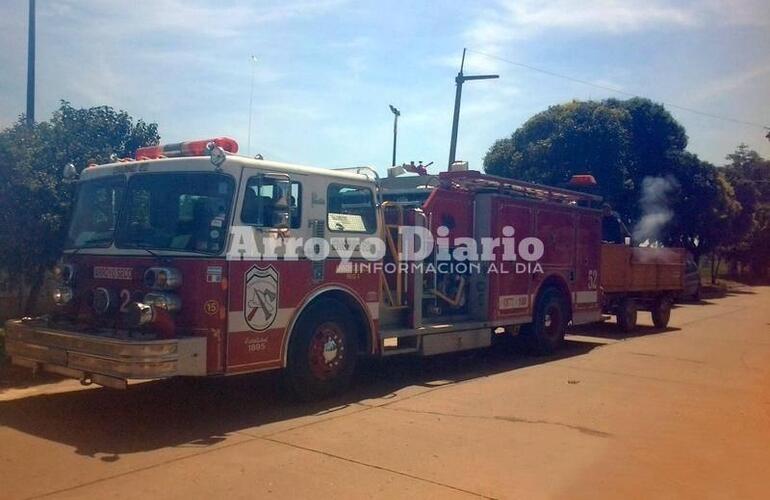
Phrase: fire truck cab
[156,282]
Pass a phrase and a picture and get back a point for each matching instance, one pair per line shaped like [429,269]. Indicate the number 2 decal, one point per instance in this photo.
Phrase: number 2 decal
[125,298]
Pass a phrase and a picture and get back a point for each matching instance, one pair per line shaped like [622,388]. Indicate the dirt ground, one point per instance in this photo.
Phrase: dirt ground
[680,413]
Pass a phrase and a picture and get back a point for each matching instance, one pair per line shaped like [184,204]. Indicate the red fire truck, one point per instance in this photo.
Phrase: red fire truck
[149,286]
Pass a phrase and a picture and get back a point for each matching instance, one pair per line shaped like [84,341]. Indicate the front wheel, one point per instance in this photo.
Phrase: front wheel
[546,332]
[322,353]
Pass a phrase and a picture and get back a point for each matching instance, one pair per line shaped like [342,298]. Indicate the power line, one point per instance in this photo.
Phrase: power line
[619,91]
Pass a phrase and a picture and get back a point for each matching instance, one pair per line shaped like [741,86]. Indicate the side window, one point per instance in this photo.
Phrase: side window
[264,198]
[350,209]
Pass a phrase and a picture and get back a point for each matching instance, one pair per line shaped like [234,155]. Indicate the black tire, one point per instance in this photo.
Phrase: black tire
[627,313]
[546,332]
[661,312]
[324,329]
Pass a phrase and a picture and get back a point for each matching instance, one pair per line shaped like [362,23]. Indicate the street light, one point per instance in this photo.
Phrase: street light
[460,79]
[396,114]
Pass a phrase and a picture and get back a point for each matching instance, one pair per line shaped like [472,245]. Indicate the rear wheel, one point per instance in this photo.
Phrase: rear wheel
[546,332]
[627,312]
[661,312]
[322,352]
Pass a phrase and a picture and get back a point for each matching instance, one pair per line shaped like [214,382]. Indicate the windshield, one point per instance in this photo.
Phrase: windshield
[176,211]
[162,211]
[96,213]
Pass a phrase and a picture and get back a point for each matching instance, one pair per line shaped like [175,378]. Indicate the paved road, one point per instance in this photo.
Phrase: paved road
[680,413]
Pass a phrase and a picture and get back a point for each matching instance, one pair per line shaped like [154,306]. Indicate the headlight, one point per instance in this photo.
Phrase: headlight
[162,278]
[104,300]
[168,301]
[62,295]
[138,314]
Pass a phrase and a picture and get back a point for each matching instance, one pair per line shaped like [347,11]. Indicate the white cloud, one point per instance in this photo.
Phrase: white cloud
[508,21]
[728,84]
[182,16]
[516,19]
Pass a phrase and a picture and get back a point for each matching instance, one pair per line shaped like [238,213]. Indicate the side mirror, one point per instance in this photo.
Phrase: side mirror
[280,217]
[69,172]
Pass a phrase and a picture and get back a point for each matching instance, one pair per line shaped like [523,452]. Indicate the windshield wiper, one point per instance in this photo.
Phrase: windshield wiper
[95,241]
[143,246]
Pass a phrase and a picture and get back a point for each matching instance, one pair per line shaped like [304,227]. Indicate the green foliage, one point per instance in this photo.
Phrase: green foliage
[577,137]
[621,143]
[704,205]
[749,174]
[34,200]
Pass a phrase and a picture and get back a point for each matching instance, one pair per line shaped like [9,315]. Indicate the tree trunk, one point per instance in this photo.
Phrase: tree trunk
[714,267]
[34,292]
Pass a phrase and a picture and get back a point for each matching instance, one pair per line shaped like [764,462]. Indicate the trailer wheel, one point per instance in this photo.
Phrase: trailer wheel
[627,312]
[322,353]
[546,332]
[661,312]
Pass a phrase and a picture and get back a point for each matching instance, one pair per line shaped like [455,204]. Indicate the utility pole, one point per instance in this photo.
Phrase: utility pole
[396,114]
[459,80]
[31,66]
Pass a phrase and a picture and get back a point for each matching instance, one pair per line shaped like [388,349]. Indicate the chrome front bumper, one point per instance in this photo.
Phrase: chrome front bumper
[105,361]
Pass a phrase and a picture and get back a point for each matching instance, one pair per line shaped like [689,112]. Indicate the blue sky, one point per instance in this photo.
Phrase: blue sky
[328,69]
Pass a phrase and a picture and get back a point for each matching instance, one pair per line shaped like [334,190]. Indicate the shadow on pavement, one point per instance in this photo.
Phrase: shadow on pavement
[610,330]
[16,377]
[202,412]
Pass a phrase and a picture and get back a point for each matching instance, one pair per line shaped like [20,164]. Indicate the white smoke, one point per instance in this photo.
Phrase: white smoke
[656,211]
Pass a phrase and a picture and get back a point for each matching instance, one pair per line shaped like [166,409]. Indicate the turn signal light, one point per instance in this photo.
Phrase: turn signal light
[62,295]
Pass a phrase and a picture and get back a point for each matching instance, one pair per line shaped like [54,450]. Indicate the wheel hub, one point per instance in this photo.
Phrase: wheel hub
[327,351]
[330,350]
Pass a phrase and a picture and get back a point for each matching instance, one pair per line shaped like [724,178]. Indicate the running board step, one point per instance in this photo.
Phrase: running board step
[456,341]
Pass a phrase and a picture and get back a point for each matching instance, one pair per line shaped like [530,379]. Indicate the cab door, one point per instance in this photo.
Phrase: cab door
[261,298]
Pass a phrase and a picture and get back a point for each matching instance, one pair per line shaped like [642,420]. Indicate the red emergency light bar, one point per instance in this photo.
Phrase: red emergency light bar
[582,180]
[189,148]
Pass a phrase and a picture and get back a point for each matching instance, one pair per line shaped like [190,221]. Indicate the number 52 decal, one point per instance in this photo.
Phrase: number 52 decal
[593,279]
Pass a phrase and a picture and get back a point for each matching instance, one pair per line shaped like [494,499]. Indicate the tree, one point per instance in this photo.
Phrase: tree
[34,200]
[577,137]
[749,174]
[621,143]
[704,206]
